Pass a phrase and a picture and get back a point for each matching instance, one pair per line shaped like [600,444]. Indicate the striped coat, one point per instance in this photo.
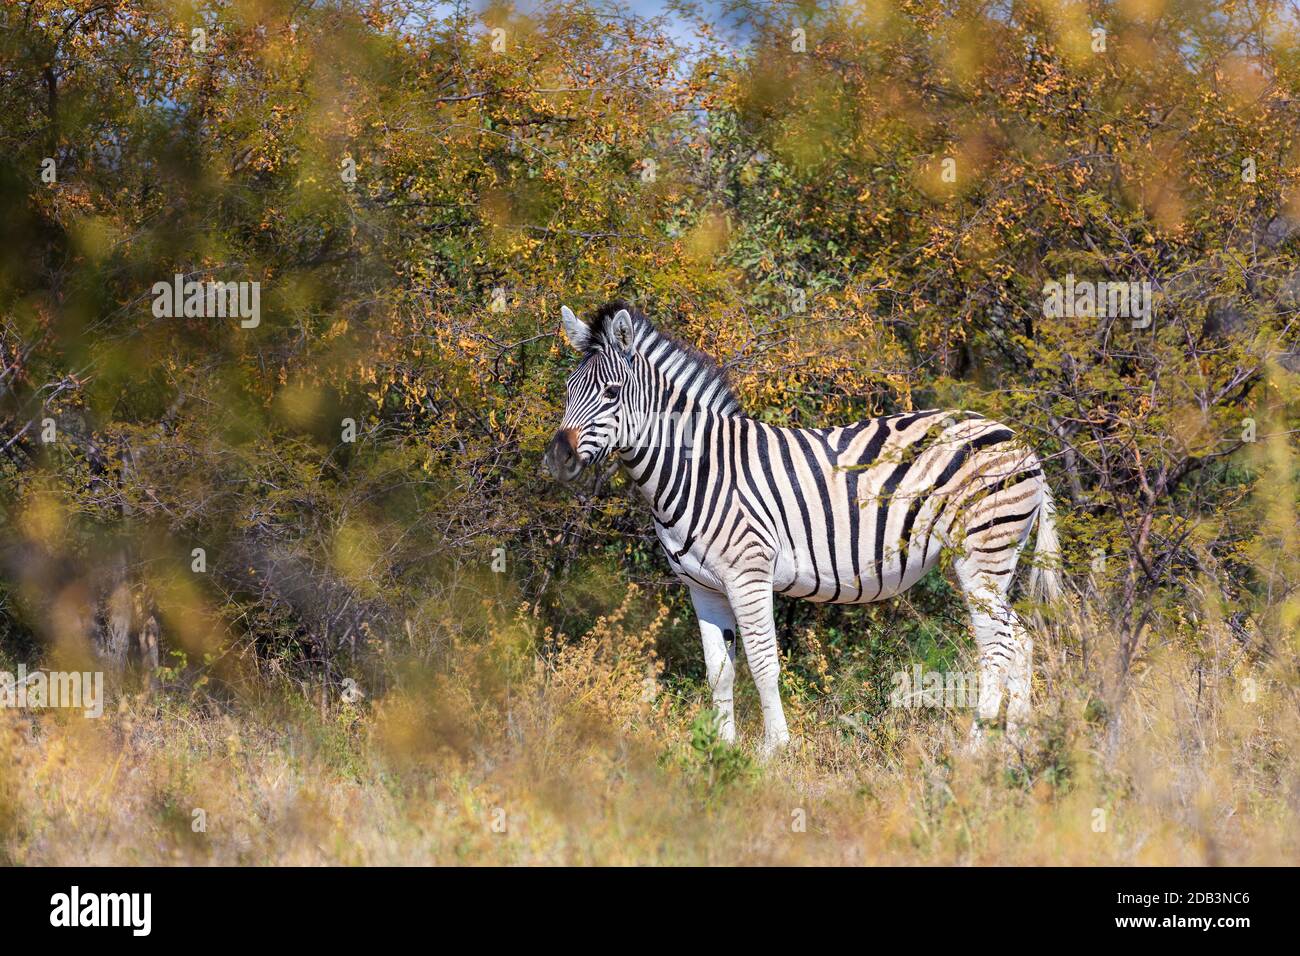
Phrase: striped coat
[852,514]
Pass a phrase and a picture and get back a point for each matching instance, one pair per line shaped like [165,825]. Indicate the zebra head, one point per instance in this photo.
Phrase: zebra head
[597,390]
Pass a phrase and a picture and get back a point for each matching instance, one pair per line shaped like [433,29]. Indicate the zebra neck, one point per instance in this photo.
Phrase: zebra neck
[677,379]
[684,402]
[664,461]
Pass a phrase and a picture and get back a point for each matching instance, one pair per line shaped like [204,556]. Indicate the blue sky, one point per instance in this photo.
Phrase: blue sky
[676,27]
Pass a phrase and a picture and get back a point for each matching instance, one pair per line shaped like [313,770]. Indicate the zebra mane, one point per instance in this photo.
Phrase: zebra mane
[647,335]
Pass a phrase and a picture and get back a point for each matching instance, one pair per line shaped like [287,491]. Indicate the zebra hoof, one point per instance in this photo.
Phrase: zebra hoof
[1017,735]
[977,739]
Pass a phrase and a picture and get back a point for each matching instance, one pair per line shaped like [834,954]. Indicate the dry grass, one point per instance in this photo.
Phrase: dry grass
[534,751]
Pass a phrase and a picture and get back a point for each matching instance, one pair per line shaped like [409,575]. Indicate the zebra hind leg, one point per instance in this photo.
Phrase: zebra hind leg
[1020,678]
[1004,647]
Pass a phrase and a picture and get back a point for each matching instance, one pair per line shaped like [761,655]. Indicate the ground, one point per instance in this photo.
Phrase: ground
[529,750]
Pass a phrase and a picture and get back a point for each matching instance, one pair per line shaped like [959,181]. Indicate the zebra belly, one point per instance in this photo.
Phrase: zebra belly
[811,583]
[873,542]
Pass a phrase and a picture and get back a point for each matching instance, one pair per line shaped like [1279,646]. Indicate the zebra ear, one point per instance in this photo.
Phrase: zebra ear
[620,330]
[575,329]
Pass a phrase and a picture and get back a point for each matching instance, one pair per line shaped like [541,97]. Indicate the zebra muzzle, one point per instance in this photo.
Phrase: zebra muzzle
[561,456]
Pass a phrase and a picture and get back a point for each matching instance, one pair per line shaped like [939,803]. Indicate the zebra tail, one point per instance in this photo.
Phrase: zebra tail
[1045,581]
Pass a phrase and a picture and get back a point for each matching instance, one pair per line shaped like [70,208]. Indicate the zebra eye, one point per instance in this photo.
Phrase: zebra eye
[611,391]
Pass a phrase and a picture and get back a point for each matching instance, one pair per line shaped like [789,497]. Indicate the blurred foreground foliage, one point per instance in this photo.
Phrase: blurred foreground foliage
[855,219]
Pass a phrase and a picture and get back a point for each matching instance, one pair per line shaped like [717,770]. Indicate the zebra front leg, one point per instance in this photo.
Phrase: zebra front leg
[718,633]
[751,601]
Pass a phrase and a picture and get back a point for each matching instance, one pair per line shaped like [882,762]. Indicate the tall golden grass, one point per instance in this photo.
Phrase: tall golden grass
[529,749]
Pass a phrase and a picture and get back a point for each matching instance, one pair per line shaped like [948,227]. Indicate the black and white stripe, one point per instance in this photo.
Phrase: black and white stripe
[852,514]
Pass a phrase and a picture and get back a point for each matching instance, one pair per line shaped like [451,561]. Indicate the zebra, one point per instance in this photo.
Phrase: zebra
[852,514]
